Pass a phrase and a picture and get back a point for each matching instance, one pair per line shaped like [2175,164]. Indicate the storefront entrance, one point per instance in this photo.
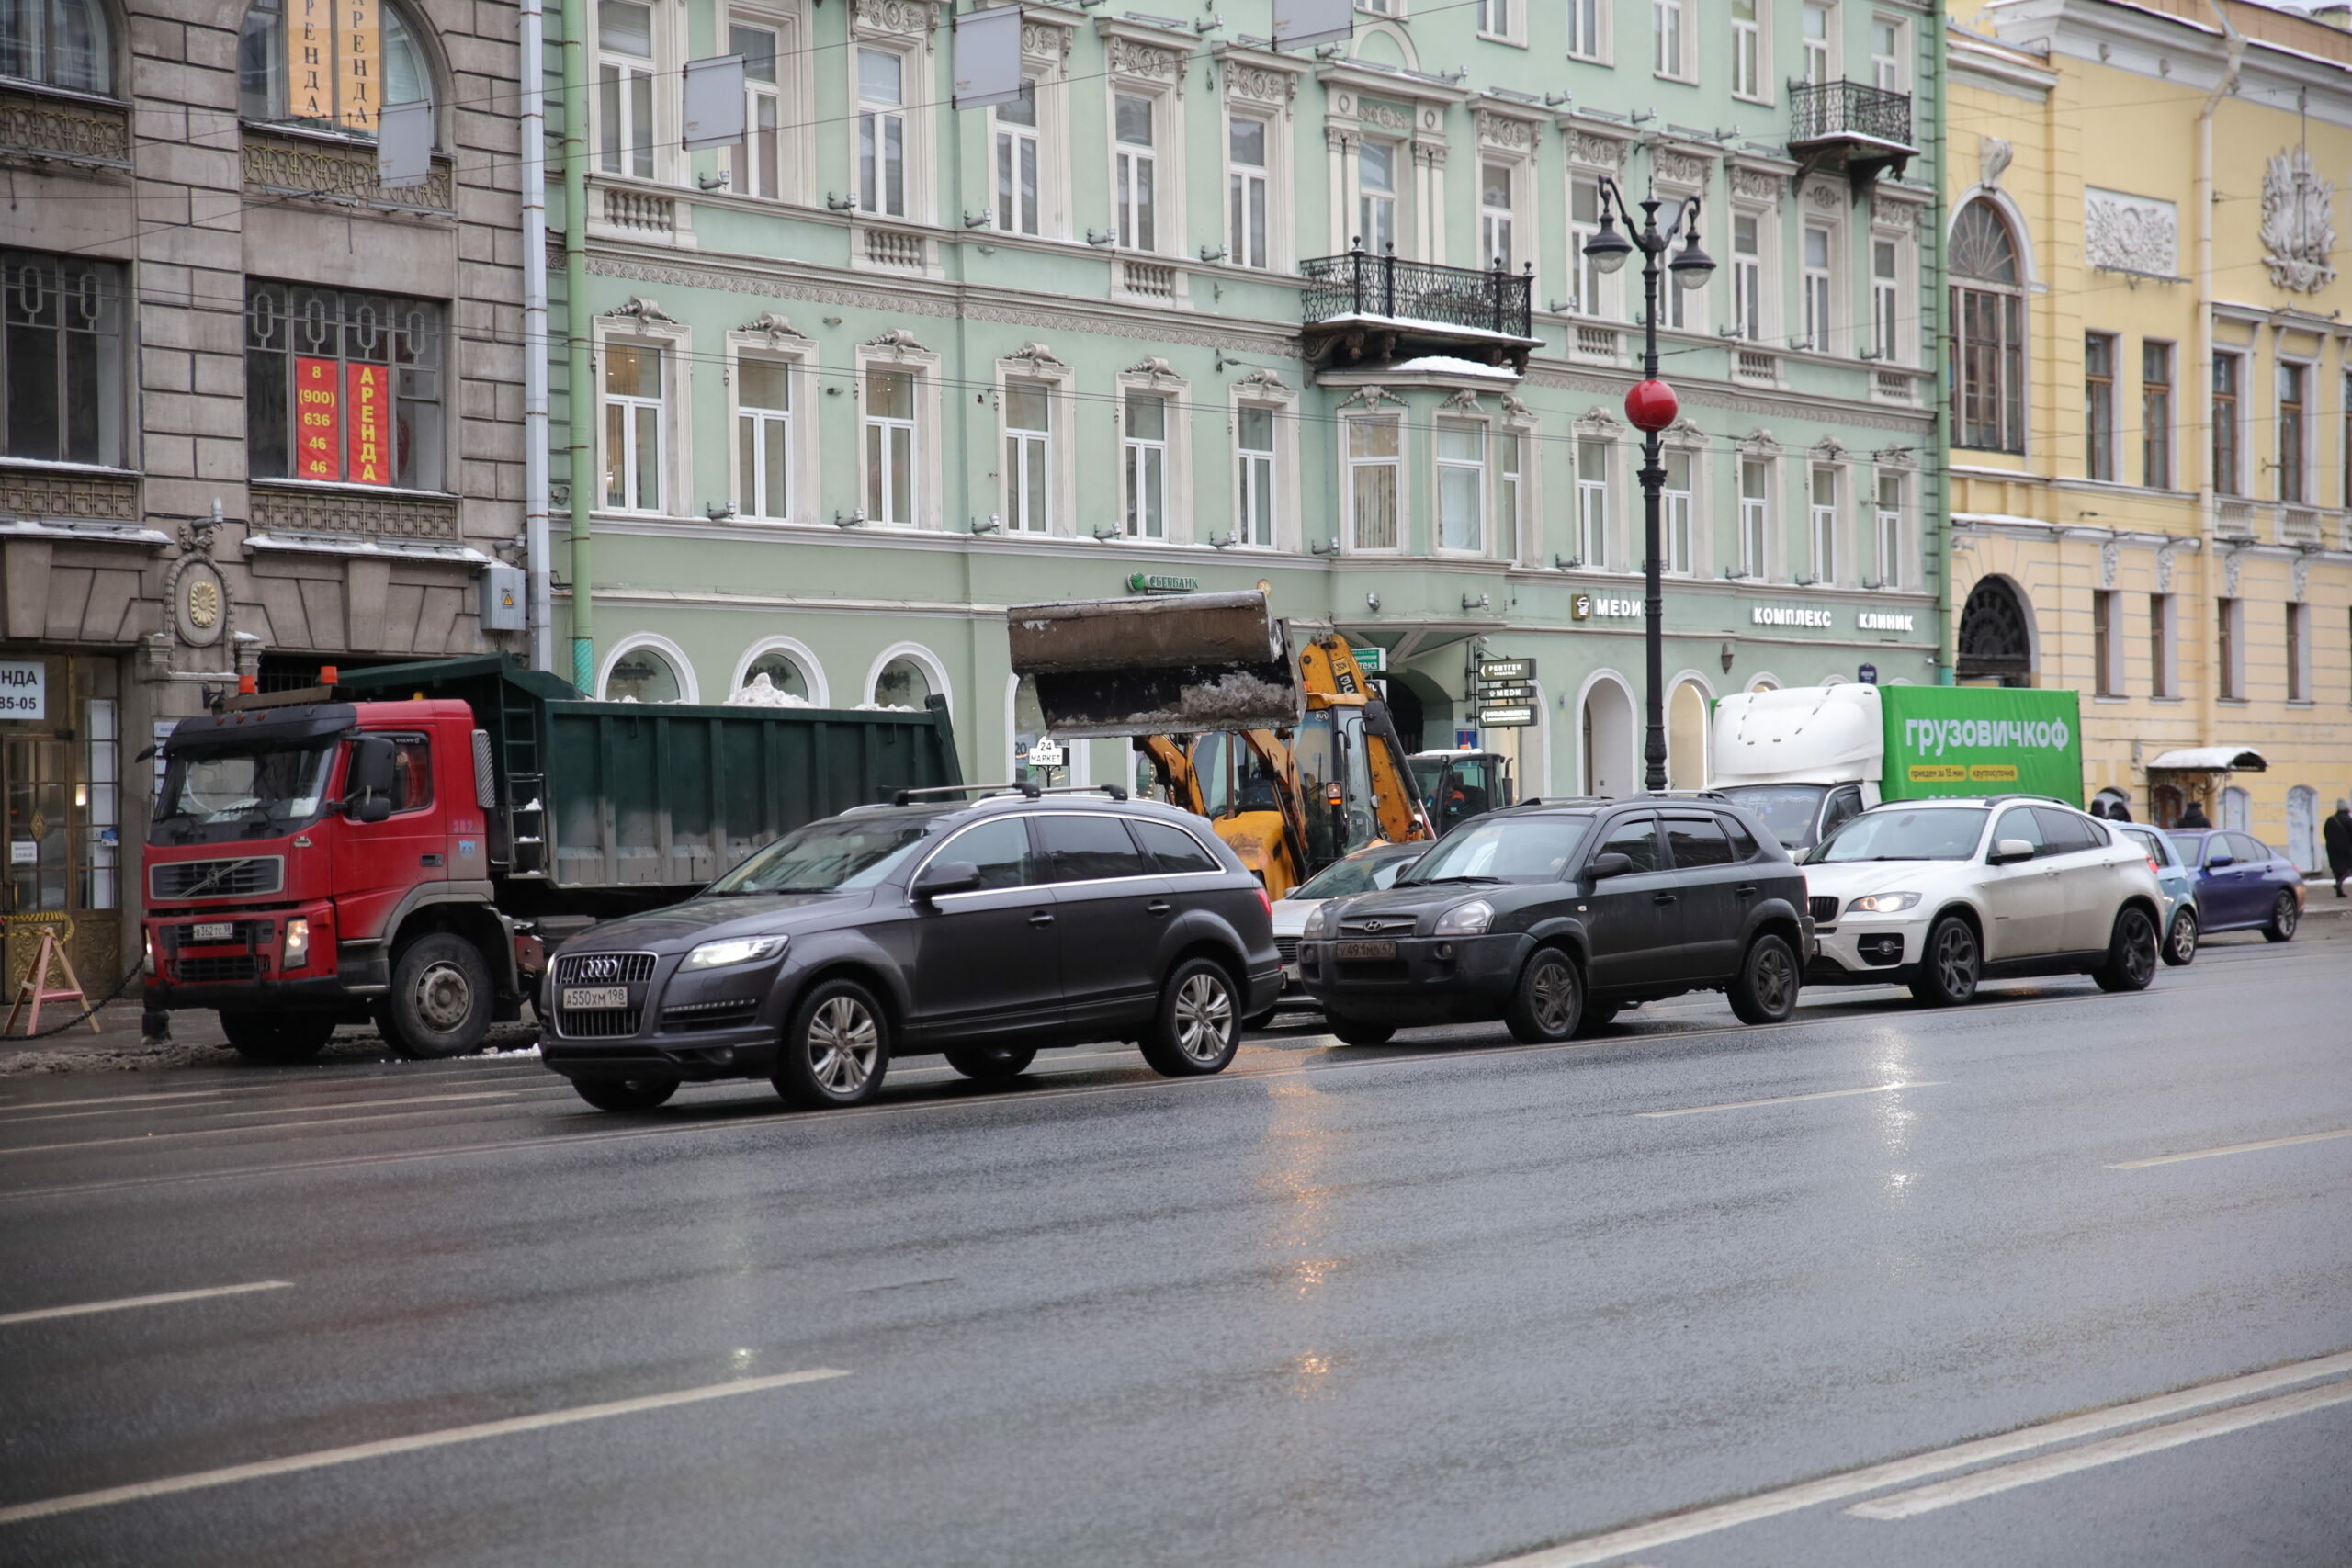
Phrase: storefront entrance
[59,776]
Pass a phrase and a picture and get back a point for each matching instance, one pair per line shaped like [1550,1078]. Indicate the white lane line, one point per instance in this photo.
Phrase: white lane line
[1986,1483]
[2234,1149]
[323,1458]
[1608,1547]
[250,1130]
[1794,1099]
[116,1099]
[166,1299]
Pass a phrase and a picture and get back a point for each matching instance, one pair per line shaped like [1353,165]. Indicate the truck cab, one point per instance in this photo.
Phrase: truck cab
[1801,759]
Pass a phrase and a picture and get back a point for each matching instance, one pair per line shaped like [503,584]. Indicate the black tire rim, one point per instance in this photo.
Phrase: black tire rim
[2139,954]
[1551,995]
[2184,937]
[2283,915]
[1774,981]
[1956,960]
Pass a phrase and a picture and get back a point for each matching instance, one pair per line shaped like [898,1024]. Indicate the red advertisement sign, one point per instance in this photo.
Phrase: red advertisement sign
[367,422]
[318,420]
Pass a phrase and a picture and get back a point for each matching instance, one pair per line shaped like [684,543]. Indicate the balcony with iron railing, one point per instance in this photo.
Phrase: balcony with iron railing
[1866,128]
[1361,309]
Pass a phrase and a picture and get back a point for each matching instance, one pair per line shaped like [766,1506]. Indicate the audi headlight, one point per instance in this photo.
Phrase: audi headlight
[736,950]
[1467,919]
[1318,920]
[298,943]
[1882,903]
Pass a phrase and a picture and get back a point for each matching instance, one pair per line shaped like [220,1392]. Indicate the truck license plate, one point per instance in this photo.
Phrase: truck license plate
[214,931]
[1359,950]
[586,997]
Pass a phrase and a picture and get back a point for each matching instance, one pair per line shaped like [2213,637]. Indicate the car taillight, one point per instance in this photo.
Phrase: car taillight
[1268,903]
[2154,869]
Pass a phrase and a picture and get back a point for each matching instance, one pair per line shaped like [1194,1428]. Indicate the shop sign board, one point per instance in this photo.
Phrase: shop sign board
[1506,693]
[1948,740]
[1517,716]
[24,689]
[1506,669]
[1153,583]
[1372,659]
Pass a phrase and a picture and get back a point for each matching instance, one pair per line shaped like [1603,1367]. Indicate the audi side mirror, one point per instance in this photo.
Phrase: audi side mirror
[1610,864]
[943,877]
[2009,852]
[368,792]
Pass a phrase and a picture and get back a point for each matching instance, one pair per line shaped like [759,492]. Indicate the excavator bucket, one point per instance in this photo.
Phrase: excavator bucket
[1180,665]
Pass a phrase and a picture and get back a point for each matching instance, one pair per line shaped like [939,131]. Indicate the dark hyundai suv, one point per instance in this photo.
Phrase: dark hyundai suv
[980,929]
[1555,915]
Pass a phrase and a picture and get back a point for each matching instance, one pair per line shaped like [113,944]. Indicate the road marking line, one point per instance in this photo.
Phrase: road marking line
[2049,1467]
[298,1108]
[169,1296]
[2234,1149]
[1794,1099]
[323,1458]
[1595,1548]
[116,1099]
[249,1131]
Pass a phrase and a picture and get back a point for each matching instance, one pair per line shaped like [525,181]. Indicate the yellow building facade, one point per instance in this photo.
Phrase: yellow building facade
[2150,367]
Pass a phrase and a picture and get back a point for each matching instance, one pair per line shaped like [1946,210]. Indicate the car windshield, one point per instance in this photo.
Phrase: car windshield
[2190,845]
[1943,833]
[212,795]
[828,857]
[1508,849]
[1357,874]
[1787,810]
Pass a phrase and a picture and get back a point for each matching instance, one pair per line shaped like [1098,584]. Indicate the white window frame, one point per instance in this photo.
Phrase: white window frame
[797,653]
[754,168]
[799,505]
[1817,287]
[1471,470]
[2306,426]
[1597,293]
[1821,523]
[1516,513]
[1677,508]
[637,411]
[1005,138]
[1176,455]
[1818,59]
[1751,54]
[877,482]
[1165,156]
[676,345]
[1593,520]
[1139,475]
[1258,478]
[1240,180]
[689,683]
[1755,515]
[1029,453]
[1891,72]
[1681,309]
[923,491]
[1751,277]
[1499,226]
[1889,534]
[1350,464]
[1397,232]
[638,93]
[1886,297]
[1503,21]
[1673,50]
[873,115]
[1589,28]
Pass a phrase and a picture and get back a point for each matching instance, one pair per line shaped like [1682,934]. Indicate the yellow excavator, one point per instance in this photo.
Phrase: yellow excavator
[1264,726]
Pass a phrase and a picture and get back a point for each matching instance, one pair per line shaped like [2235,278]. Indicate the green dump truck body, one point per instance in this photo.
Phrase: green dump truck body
[1949,741]
[647,798]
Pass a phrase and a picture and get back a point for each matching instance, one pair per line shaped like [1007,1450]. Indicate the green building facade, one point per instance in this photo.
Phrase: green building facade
[859,382]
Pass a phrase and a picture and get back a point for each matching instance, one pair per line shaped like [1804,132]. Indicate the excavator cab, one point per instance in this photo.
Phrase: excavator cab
[1457,785]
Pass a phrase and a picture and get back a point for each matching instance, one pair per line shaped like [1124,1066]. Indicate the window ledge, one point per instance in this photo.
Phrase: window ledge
[2109,697]
[2160,697]
[2231,702]
[2300,703]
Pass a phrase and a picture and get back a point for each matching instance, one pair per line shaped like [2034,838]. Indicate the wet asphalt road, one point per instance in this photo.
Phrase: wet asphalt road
[1440,1303]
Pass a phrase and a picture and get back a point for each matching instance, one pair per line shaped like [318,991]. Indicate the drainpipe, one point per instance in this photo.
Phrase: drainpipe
[583,399]
[1939,347]
[2207,495]
[535,333]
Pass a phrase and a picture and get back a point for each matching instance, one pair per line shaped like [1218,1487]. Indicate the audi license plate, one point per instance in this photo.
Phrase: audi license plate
[587,997]
[213,930]
[1361,949]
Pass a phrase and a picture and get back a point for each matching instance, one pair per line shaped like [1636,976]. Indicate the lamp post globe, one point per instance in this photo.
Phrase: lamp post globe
[1651,405]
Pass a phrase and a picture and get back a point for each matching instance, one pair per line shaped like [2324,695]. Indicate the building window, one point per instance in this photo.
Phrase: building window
[1495,213]
[624,88]
[1886,300]
[2294,432]
[1592,505]
[1674,511]
[2160,670]
[1889,522]
[1137,173]
[1494,17]
[1016,163]
[2228,379]
[1747,50]
[1592,285]
[890,445]
[1747,276]
[1145,447]
[1755,514]
[902,684]
[1253,440]
[1510,473]
[2298,642]
[2104,671]
[642,674]
[1028,457]
[764,438]
[2098,405]
[1376,196]
[1819,32]
[1824,525]
[1679,307]
[1988,329]
[341,387]
[756,162]
[1374,481]
[61,360]
[2155,415]
[785,673]
[344,96]
[1667,17]
[1817,319]
[632,427]
[1887,55]
[1461,485]
[1246,183]
[59,43]
[1585,18]
[881,132]
[2229,647]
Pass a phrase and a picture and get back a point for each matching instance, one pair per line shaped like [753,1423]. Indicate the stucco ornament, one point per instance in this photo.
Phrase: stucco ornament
[2298,222]
[2110,554]
[2131,234]
[2302,574]
[1993,156]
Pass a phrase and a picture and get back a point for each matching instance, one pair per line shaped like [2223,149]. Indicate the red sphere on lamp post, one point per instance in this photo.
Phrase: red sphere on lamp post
[1651,405]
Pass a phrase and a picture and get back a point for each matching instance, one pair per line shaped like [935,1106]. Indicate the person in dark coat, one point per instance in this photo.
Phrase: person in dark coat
[2194,816]
[2337,831]
[2118,811]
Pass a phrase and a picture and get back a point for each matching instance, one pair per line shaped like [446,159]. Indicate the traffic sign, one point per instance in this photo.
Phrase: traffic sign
[1515,717]
[1867,675]
[1506,668]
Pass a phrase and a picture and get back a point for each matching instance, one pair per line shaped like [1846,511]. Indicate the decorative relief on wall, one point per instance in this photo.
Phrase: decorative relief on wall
[1036,357]
[74,133]
[1502,130]
[642,309]
[1264,383]
[300,170]
[1602,152]
[1043,41]
[1462,402]
[1371,398]
[1758,185]
[1758,443]
[2302,574]
[907,17]
[1130,57]
[2131,234]
[2107,555]
[46,497]
[1825,196]
[1679,169]
[898,340]
[1993,155]
[1153,369]
[2230,574]
[1278,87]
[1388,117]
[773,327]
[308,511]
[2164,569]
[2298,222]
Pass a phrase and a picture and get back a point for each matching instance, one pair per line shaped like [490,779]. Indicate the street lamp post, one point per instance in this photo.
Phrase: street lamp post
[1651,406]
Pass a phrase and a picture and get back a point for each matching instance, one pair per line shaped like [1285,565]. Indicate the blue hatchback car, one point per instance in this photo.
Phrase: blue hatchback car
[2179,889]
[2242,882]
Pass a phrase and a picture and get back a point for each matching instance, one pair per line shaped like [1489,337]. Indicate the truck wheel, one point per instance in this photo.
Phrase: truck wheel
[1549,999]
[278,1036]
[990,1064]
[835,1049]
[624,1094]
[1766,991]
[1198,1026]
[1361,1030]
[441,997]
[2130,953]
[1948,972]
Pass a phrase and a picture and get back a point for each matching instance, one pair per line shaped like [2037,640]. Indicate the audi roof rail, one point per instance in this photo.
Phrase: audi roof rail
[908,796]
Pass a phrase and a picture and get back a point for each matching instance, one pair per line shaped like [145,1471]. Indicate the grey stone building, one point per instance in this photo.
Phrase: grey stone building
[258,412]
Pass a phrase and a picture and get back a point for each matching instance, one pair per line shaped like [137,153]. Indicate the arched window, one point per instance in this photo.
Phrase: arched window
[1995,634]
[1988,332]
[903,683]
[346,100]
[59,43]
[784,675]
[642,674]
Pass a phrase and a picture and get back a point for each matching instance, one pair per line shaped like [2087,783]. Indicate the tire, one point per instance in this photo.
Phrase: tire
[1549,1000]
[2180,942]
[624,1094]
[1361,1030]
[835,1050]
[441,998]
[2130,953]
[278,1036]
[1766,991]
[2284,916]
[1198,1026]
[990,1064]
[1597,1016]
[1949,965]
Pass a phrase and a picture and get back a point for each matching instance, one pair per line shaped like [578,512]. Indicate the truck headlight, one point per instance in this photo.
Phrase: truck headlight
[298,943]
[1318,920]
[1467,919]
[736,950]
[1882,903]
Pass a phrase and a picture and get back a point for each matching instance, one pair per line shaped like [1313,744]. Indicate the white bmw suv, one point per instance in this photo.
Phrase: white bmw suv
[1941,894]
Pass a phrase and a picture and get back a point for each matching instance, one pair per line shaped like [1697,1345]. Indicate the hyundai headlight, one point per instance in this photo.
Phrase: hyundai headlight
[735,950]
[1882,903]
[1318,920]
[1467,919]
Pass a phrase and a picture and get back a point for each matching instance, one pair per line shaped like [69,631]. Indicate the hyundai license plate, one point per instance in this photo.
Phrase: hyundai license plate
[213,930]
[586,997]
[1361,949]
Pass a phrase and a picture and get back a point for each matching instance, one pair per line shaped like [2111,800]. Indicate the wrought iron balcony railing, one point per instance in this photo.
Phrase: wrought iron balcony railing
[1362,284]
[1839,111]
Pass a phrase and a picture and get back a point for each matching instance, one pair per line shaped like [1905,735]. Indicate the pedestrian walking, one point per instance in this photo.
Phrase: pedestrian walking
[2194,816]
[2338,834]
[2119,811]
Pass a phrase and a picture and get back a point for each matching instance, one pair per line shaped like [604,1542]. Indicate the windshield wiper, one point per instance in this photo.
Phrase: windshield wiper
[1434,881]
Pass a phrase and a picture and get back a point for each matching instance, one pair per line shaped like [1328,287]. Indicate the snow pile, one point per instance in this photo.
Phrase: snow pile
[1445,364]
[764,693]
[883,708]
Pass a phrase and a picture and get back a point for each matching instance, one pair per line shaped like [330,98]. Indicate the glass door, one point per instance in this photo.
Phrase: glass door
[59,792]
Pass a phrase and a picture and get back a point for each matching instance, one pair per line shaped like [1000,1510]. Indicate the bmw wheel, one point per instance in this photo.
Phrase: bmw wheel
[2180,942]
[835,1049]
[1948,973]
[2130,953]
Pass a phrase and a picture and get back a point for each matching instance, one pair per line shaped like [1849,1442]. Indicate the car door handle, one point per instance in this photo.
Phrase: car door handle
[1747,892]
[1159,908]
[1041,919]
[1663,898]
